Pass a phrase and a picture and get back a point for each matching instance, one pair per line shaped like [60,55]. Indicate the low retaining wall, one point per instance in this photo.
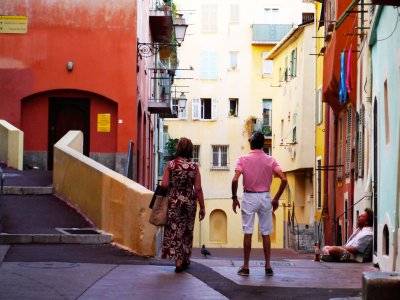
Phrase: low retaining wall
[113,202]
[11,145]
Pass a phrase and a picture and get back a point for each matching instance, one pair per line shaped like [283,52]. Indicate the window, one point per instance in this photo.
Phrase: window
[209,18]
[233,60]
[233,107]
[234,16]
[267,64]
[208,65]
[319,111]
[348,142]
[360,144]
[271,15]
[204,109]
[267,150]
[319,183]
[294,135]
[181,114]
[267,117]
[293,63]
[307,17]
[339,152]
[219,157]
[196,154]
[387,114]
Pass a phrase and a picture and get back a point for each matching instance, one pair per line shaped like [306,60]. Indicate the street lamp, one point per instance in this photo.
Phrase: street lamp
[150,49]
[182,102]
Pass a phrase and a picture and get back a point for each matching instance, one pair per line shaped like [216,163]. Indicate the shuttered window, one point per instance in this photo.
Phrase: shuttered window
[196,154]
[209,18]
[208,66]
[340,151]
[204,109]
[234,16]
[360,144]
[348,142]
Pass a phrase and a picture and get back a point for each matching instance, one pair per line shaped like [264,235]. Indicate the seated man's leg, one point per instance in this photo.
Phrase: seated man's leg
[338,253]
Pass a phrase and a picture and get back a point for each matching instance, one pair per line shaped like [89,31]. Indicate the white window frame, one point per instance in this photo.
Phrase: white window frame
[267,65]
[208,65]
[233,60]
[348,142]
[182,114]
[198,109]
[219,152]
[236,110]
[234,16]
[196,154]
[209,18]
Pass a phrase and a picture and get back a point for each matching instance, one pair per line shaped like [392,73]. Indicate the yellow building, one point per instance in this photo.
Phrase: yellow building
[293,135]
[319,166]
[229,94]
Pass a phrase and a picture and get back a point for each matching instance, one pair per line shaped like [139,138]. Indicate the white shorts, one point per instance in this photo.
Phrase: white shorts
[259,203]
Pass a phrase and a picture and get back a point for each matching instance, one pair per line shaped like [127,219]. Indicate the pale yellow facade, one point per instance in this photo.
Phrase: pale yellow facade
[237,72]
[293,122]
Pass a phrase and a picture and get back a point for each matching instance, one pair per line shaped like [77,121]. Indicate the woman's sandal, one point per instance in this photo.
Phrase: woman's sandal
[186,264]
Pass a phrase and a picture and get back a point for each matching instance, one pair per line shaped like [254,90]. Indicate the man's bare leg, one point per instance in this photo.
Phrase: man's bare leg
[267,251]
[246,250]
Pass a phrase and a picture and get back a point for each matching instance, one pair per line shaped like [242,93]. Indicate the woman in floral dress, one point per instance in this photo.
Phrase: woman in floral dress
[183,180]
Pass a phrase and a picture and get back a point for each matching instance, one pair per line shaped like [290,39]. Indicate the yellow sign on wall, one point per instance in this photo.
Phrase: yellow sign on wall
[14,24]
[103,122]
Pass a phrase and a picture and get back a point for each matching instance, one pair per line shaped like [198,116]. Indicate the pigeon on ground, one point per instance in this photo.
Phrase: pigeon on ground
[204,251]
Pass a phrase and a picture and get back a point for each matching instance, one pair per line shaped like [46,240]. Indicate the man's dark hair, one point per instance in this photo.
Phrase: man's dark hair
[370,215]
[184,148]
[257,140]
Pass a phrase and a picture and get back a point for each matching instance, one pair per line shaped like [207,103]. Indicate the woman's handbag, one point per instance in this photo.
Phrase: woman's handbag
[159,206]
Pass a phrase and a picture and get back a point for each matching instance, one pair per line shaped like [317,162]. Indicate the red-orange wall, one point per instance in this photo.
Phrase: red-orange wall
[99,36]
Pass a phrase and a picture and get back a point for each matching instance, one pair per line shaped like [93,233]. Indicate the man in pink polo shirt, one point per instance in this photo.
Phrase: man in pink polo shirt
[257,169]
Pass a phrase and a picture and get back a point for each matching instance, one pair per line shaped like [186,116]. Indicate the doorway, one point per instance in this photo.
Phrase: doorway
[67,114]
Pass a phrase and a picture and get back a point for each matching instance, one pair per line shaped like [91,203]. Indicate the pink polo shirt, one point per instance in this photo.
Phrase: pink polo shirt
[257,169]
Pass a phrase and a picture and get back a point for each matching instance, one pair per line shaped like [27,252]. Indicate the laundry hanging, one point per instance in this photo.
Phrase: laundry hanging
[342,83]
[348,70]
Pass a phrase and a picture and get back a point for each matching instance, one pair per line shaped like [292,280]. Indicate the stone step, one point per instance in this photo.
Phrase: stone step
[380,285]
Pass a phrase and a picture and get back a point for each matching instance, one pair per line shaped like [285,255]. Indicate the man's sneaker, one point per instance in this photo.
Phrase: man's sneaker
[243,271]
[269,272]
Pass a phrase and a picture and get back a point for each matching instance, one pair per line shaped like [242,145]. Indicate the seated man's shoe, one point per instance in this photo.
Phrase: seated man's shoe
[329,258]
[243,271]
[269,272]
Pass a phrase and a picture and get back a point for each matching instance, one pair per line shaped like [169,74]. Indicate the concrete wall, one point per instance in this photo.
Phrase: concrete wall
[11,145]
[113,202]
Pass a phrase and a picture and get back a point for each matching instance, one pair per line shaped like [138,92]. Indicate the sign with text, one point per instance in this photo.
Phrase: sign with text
[14,24]
[103,122]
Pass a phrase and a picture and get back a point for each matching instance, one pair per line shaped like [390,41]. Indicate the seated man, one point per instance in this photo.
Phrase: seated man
[359,246]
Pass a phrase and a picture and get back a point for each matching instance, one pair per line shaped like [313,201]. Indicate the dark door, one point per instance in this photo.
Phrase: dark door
[375,182]
[67,114]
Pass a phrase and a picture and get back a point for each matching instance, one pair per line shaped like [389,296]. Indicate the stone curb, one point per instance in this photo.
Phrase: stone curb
[55,238]
[27,190]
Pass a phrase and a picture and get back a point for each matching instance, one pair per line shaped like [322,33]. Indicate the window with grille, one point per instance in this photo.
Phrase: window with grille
[348,142]
[196,154]
[219,157]
[209,18]
[340,151]
[267,64]
[204,109]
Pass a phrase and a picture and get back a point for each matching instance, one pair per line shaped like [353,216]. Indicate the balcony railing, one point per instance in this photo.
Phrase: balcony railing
[160,86]
[269,33]
[264,126]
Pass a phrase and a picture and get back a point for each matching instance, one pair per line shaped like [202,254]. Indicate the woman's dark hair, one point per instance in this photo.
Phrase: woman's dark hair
[184,148]
[370,215]
[257,140]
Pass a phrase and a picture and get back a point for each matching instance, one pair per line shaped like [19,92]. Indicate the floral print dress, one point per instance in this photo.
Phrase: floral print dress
[178,233]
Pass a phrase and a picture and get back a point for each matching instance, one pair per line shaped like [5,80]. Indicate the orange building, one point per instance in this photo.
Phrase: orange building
[73,65]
